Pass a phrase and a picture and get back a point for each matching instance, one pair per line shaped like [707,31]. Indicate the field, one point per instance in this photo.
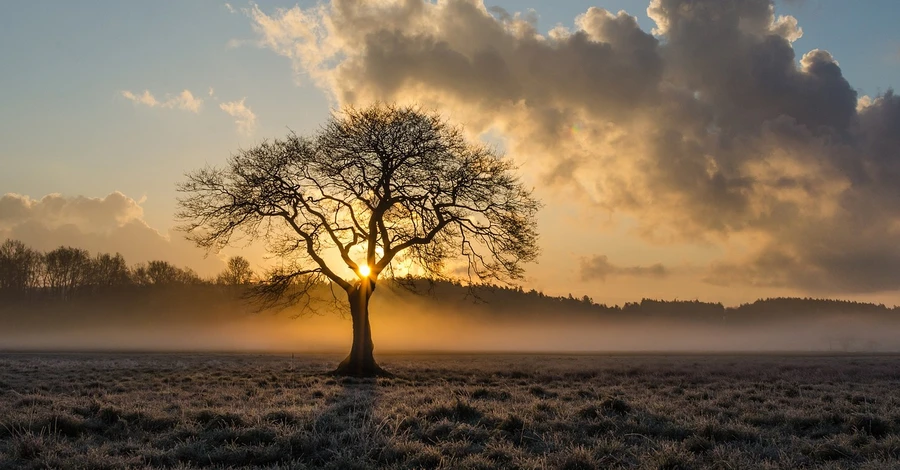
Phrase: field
[449,411]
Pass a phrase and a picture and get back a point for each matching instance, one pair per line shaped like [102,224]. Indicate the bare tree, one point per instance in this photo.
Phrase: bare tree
[108,271]
[163,273]
[140,275]
[237,272]
[19,268]
[372,188]
[66,270]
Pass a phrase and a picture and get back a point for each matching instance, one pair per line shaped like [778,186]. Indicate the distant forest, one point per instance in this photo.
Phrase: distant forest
[67,273]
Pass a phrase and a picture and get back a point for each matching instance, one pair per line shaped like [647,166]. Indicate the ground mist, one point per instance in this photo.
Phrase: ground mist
[211,318]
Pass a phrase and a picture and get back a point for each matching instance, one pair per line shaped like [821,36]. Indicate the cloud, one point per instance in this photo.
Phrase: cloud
[185,100]
[55,210]
[599,267]
[230,8]
[710,132]
[145,98]
[113,223]
[244,118]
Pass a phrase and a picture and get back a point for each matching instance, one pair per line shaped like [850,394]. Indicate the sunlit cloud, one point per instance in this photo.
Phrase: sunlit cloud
[298,34]
[185,100]
[244,118]
[56,210]
[712,132]
[108,224]
[146,98]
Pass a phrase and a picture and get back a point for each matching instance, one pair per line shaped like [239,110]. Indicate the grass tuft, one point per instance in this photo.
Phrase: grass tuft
[484,412]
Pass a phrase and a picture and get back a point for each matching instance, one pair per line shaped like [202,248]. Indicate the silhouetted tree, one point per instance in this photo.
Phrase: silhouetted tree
[140,276]
[163,273]
[373,186]
[237,272]
[108,271]
[66,270]
[20,267]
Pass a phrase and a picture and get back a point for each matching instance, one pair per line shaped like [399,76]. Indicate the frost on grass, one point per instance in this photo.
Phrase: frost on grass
[566,412]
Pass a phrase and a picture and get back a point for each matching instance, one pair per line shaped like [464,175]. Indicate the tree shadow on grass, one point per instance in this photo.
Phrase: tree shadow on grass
[347,433]
[341,432]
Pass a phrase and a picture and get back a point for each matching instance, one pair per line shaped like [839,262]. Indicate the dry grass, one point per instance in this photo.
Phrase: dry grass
[567,412]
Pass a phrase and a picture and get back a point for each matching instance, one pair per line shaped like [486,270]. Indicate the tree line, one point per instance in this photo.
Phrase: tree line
[66,271]
[515,300]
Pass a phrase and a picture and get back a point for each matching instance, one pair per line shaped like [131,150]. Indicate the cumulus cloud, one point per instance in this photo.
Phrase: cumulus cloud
[244,118]
[109,224]
[599,267]
[55,210]
[713,131]
[185,100]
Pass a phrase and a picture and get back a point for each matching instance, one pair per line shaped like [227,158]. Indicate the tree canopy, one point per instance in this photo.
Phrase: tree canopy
[373,186]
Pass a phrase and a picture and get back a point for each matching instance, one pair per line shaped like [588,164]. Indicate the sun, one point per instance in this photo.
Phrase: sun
[365,270]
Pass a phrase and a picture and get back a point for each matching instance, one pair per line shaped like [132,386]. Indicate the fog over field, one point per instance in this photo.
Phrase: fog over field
[403,323]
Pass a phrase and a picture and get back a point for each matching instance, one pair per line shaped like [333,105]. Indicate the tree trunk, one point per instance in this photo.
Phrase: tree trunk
[360,362]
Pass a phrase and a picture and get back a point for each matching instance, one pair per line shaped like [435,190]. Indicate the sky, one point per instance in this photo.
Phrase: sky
[693,149]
